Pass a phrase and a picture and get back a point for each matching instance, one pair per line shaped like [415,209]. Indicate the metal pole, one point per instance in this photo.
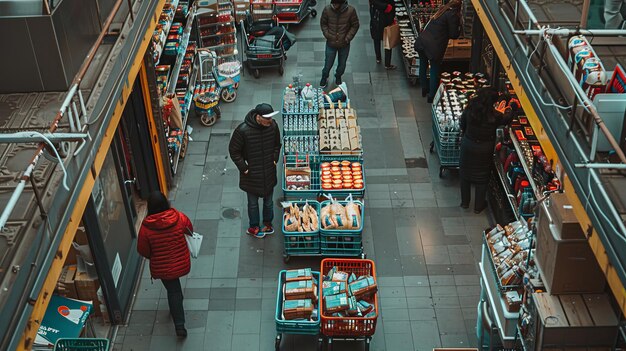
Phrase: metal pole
[28,137]
[585,14]
[567,32]
[601,165]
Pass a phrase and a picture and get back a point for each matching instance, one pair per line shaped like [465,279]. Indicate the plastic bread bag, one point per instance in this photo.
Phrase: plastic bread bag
[314,219]
[327,219]
[291,223]
[338,213]
[353,212]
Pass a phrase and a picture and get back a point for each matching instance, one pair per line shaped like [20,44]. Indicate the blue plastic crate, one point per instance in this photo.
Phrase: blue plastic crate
[341,244]
[343,231]
[302,243]
[311,161]
[305,327]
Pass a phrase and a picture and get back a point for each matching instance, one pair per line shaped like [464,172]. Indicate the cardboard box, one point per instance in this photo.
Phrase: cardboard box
[462,48]
[87,289]
[449,50]
[65,284]
[563,320]
[567,265]
[562,215]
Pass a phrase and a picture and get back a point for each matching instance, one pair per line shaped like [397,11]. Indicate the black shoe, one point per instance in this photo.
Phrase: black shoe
[338,80]
[425,92]
[464,206]
[430,99]
[478,210]
[323,82]
[181,332]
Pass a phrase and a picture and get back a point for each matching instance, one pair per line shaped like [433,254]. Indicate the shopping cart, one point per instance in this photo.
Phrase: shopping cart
[82,344]
[301,327]
[446,135]
[266,51]
[293,11]
[348,328]
[343,242]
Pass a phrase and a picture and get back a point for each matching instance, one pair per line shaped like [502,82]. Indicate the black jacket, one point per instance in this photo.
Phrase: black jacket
[339,26]
[379,19]
[433,40]
[256,148]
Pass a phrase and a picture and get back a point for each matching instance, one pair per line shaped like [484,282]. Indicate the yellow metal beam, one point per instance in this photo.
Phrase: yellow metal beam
[40,306]
[615,283]
[152,129]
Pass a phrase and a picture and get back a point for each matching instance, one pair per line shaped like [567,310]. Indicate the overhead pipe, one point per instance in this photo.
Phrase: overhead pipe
[4,217]
[29,137]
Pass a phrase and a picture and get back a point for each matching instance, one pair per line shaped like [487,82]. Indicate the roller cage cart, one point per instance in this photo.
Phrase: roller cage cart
[293,11]
[446,142]
[261,52]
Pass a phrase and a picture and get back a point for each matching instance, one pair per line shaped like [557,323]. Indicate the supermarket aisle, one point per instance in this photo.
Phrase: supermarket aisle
[425,247]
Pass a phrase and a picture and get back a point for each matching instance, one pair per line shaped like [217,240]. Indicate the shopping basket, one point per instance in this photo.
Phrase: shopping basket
[81,344]
[302,243]
[350,327]
[306,165]
[447,141]
[342,242]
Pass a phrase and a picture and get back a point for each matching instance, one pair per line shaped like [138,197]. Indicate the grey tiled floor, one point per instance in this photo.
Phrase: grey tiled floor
[425,247]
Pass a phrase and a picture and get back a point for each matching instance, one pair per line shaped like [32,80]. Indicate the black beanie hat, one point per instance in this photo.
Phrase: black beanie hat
[157,203]
[337,1]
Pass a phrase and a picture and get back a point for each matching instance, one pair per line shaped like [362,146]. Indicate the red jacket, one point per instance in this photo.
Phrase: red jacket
[162,240]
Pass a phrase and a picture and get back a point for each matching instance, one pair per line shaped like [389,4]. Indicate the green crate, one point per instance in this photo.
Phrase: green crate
[302,244]
[294,326]
[341,244]
[81,344]
[343,193]
[343,231]
[311,161]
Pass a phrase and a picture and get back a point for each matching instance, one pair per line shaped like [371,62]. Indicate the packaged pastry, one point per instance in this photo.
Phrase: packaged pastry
[333,288]
[300,289]
[363,286]
[336,303]
[298,274]
[297,309]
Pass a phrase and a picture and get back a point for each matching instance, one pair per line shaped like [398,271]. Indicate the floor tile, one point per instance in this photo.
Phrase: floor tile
[399,342]
[425,335]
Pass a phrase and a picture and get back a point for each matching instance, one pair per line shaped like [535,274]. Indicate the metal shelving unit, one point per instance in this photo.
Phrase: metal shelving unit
[536,190]
[507,189]
[166,31]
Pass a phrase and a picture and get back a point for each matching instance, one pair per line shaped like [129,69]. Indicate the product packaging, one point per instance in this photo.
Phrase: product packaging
[362,287]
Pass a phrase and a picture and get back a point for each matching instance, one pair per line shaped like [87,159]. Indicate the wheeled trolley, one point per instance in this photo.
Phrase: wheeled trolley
[348,328]
[265,51]
[295,326]
[446,135]
[293,11]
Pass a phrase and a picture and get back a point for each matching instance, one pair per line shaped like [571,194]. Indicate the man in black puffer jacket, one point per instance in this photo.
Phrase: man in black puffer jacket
[340,23]
[255,148]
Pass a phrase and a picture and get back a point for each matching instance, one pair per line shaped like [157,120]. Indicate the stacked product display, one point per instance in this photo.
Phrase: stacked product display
[217,29]
[408,34]
[349,294]
[162,30]
[339,132]
[261,9]
[587,66]
[299,295]
[293,11]
[176,75]
[301,224]
[341,175]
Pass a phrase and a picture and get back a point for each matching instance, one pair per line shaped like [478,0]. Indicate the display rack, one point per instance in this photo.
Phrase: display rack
[261,9]
[217,29]
[163,28]
[508,192]
[408,34]
[505,321]
[536,190]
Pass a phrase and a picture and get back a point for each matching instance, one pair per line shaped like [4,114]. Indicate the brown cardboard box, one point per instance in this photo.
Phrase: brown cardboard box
[462,48]
[567,266]
[449,50]
[572,319]
[65,284]
[87,289]
[562,214]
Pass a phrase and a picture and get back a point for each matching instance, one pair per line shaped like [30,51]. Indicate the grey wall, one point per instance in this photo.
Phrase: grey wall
[44,53]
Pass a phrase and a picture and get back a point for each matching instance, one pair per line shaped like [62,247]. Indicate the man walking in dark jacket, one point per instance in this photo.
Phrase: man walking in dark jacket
[340,23]
[255,148]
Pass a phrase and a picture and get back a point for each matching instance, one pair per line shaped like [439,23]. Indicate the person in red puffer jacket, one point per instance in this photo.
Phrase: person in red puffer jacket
[162,241]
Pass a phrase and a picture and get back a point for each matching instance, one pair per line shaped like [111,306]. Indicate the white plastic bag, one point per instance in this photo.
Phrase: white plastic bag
[194,241]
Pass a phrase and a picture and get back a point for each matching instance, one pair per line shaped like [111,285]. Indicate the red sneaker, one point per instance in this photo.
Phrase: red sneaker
[255,232]
[267,229]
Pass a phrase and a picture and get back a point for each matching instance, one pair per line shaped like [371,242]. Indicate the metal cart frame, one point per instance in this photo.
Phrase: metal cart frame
[258,57]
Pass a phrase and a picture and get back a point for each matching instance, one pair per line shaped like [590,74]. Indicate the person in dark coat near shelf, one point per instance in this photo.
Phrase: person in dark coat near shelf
[162,241]
[340,23]
[382,14]
[255,148]
[479,122]
[432,42]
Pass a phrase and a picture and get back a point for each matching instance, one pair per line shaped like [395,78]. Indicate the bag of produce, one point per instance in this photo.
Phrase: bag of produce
[353,212]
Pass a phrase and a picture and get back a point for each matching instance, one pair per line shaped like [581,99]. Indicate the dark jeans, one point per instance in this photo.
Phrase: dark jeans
[377,45]
[435,70]
[479,194]
[253,209]
[331,52]
[175,301]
